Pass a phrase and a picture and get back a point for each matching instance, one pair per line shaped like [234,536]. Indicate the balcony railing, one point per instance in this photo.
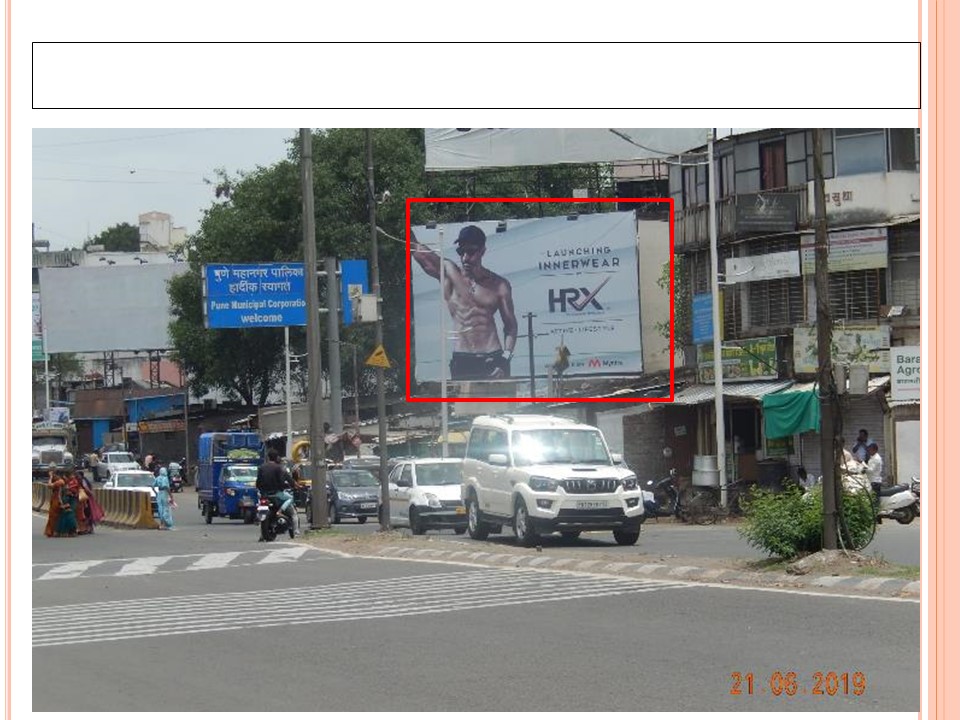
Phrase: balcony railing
[691,228]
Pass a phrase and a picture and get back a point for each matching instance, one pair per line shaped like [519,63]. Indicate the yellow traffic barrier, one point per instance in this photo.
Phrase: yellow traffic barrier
[41,496]
[143,512]
[126,508]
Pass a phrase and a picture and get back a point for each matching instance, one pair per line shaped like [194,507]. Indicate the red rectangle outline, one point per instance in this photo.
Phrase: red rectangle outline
[409,284]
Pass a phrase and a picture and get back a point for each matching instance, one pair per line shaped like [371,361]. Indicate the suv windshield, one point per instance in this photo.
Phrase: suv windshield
[438,474]
[559,445]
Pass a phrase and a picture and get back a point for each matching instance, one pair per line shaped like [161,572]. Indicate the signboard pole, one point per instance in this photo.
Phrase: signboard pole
[318,454]
[286,362]
[717,351]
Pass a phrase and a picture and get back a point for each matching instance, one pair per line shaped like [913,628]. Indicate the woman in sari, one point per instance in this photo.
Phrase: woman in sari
[62,518]
[89,512]
[162,485]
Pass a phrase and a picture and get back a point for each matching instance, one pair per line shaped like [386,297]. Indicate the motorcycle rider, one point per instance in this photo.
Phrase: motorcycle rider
[275,483]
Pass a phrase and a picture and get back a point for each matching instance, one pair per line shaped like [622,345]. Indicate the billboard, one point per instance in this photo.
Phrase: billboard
[261,295]
[905,372]
[575,280]
[752,359]
[869,345]
[103,309]
[469,148]
[849,250]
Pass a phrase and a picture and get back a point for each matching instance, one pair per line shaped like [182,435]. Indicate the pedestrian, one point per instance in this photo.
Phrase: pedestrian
[89,511]
[62,517]
[874,468]
[164,500]
[859,448]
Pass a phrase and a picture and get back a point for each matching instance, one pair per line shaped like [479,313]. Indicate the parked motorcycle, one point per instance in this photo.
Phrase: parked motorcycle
[915,489]
[898,502]
[272,522]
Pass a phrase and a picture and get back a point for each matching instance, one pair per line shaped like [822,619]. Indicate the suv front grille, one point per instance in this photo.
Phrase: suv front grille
[587,486]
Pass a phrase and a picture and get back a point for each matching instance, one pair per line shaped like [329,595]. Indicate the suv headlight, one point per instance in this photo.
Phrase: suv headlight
[542,484]
[432,500]
[629,482]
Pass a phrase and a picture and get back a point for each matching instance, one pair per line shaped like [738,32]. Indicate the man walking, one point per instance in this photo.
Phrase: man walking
[474,295]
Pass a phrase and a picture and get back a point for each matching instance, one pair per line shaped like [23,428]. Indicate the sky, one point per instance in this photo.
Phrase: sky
[86,180]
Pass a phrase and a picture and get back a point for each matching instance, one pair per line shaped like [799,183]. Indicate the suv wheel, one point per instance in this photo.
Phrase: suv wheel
[522,526]
[475,526]
[626,537]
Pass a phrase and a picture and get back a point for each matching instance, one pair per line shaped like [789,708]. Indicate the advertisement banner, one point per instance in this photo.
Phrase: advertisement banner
[905,372]
[868,345]
[469,148]
[353,284]
[576,280]
[702,318]
[849,250]
[264,295]
[753,359]
[37,330]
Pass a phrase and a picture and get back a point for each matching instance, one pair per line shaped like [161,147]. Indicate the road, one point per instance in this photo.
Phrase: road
[209,608]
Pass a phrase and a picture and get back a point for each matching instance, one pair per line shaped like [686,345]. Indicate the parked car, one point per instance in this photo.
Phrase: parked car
[112,462]
[352,493]
[135,481]
[545,474]
[425,493]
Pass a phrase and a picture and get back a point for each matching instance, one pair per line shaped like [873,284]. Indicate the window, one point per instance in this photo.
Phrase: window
[905,281]
[905,149]
[773,165]
[857,294]
[860,150]
[776,303]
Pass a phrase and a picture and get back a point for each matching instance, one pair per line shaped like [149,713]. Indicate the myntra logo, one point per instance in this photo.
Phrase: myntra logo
[576,298]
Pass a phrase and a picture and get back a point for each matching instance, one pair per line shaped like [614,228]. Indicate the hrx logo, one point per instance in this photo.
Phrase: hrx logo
[576,298]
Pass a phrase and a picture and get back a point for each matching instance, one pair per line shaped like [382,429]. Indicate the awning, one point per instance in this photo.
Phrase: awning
[697,394]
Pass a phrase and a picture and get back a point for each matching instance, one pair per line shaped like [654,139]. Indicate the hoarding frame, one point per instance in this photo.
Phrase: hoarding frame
[409,285]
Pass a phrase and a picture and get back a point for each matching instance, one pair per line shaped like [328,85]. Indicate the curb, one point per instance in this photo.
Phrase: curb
[868,586]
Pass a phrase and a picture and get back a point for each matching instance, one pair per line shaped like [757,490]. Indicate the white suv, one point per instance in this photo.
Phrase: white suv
[546,474]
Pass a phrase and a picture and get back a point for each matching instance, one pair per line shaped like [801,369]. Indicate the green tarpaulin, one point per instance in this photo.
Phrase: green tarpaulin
[787,413]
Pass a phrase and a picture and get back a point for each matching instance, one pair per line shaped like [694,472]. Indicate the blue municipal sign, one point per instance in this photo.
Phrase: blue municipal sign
[353,280]
[262,295]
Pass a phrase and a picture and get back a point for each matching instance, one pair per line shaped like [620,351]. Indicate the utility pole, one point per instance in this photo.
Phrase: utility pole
[356,398]
[824,341]
[533,371]
[717,340]
[333,345]
[318,450]
[381,396]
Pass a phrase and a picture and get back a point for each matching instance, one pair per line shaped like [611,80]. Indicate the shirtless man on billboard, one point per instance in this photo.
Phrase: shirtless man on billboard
[474,295]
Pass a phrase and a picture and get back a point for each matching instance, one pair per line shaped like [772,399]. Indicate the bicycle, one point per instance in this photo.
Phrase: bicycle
[702,504]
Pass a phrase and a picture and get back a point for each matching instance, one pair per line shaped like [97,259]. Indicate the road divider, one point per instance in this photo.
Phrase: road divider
[121,508]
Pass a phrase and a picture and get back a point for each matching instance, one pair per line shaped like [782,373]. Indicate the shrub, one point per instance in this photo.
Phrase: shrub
[789,523]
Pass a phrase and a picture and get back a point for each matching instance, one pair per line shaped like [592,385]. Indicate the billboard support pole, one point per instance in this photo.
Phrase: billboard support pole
[333,346]
[715,289]
[533,373]
[444,429]
[46,371]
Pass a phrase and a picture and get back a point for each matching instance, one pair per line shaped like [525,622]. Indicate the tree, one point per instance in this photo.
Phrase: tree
[122,237]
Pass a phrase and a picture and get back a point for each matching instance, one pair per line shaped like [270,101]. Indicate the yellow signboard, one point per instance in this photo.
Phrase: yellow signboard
[378,358]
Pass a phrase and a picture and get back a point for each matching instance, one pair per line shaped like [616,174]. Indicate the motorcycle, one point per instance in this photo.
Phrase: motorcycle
[915,489]
[272,522]
[176,477]
[898,502]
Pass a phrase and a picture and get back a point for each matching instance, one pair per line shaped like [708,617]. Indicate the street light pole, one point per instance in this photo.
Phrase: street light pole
[717,350]
[318,454]
[381,392]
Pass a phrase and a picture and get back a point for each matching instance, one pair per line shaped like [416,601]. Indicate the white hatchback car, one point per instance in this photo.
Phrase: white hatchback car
[135,481]
[425,493]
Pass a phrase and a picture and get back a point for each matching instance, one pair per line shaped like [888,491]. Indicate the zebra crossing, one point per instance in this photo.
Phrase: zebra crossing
[129,567]
[352,601]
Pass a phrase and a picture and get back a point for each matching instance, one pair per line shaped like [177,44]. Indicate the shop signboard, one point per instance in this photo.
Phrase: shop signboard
[763,267]
[702,318]
[752,359]
[767,212]
[905,372]
[849,250]
[868,345]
